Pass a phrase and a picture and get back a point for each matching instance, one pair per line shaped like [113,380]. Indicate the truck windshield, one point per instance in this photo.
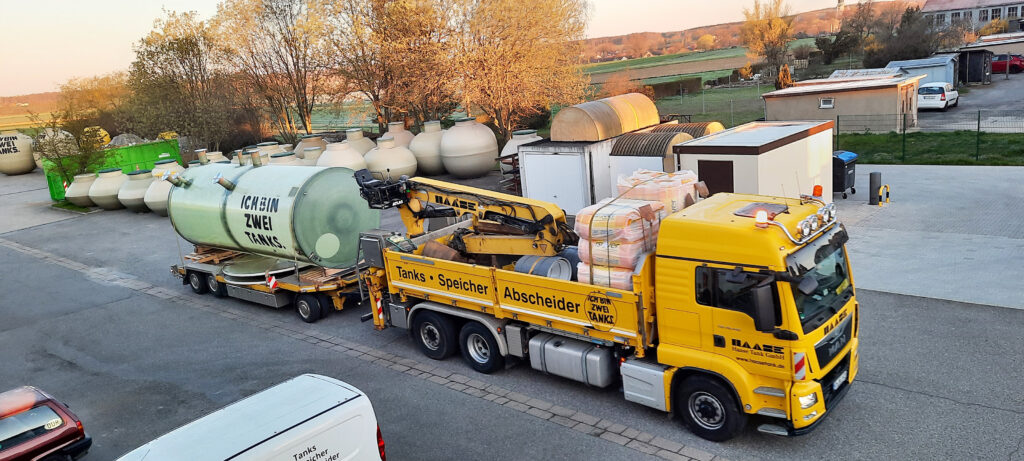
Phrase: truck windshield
[825,262]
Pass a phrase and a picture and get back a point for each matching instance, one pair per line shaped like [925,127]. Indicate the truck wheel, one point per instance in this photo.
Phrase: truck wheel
[480,349]
[197,280]
[709,409]
[308,307]
[435,333]
[216,288]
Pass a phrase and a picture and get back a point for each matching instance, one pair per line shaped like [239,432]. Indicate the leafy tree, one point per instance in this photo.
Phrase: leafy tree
[844,42]
[767,30]
[784,79]
[912,38]
[706,42]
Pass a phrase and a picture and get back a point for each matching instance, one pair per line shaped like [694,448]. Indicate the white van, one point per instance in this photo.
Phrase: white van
[307,418]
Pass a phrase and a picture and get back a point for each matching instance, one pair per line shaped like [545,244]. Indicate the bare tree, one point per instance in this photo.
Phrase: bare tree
[515,60]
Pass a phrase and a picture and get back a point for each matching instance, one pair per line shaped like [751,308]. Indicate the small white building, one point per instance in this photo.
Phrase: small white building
[784,159]
[940,68]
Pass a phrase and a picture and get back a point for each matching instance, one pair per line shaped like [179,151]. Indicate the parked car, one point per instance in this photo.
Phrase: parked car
[937,95]
[1000,61]
[35,426]
[309,417]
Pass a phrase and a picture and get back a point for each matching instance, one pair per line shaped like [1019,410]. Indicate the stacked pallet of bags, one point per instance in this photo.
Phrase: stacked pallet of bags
[674,190]
[614,235]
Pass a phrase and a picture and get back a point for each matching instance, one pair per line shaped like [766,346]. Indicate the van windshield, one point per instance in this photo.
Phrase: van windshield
[27,425]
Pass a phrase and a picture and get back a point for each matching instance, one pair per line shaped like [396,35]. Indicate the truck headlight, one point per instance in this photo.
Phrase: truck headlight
[808,400]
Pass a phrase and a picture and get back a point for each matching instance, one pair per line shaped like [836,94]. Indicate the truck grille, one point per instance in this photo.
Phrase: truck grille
[828,392]
[833,344]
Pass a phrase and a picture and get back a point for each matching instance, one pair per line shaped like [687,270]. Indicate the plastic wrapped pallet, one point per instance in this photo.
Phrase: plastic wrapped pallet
[674,190]
[622,220]
[615,253]
[606,276]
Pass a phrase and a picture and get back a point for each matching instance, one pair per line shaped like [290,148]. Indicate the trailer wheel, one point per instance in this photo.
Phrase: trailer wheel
[435,334]
[480,349]
[309,308]
[216,288]
[197,280]
[709,409]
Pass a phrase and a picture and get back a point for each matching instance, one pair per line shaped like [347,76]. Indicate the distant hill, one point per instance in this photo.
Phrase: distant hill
[39,103]
[806,24]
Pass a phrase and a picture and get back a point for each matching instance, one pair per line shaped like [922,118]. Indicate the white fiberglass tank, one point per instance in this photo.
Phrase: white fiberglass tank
[426,146]
[156,195]
[358,141]
[388,161]
[103,191]
[469,149]
[16,153]
[512,146]
[398,132]
[342,154]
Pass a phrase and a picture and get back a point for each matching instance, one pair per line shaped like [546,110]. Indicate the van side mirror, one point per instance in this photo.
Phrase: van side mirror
[764,306]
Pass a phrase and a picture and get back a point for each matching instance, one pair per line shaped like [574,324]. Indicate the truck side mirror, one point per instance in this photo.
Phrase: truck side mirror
[764,307]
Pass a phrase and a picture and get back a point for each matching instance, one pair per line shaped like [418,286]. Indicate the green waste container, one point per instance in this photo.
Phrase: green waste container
[127,158]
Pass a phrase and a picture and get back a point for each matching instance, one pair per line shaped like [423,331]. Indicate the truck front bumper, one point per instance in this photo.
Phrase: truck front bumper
[835,401]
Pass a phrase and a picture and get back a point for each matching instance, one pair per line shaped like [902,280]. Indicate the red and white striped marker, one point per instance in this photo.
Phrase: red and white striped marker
[272,282]
[799,365]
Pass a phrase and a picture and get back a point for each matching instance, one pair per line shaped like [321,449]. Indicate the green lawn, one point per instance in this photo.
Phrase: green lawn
[952,148]
[731,106]
[653,61]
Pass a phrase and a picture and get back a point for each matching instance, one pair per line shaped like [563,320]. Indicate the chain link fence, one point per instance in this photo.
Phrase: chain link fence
[991,137]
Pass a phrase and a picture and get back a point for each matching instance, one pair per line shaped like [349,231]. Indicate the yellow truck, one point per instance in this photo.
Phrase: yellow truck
[744,311]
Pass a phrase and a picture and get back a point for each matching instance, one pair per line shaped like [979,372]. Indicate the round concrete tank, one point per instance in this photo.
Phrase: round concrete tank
[103,191]
[78,192]
[341,154]
[426,146]
[398,132]
[358,141]
[469,149]
[307,141]
[285,158]
[156,195]
[388,160]
[695,129]
[309,214]
[216,156]
[512,146]
[16,153]
[133,192]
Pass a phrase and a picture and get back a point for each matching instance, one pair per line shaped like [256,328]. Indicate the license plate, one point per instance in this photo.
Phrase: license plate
[839,381]
[929,97]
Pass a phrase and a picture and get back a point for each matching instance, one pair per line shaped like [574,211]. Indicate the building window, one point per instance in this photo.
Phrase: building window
[983,15]
[996,13]
[940,19]
[953,17]
[827,103]
[1011,12]
[968,15]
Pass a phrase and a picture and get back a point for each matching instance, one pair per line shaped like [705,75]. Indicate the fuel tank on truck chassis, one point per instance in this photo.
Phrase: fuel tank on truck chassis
[309,214]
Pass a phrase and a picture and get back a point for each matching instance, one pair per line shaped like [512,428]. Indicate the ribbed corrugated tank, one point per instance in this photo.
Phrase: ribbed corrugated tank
[602,119]
[649,145]
[694,129]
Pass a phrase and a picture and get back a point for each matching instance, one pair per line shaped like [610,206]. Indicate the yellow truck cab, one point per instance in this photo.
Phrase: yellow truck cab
[755,298]
[745,307]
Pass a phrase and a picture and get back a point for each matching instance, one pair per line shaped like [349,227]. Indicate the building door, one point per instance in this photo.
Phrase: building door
[716,174]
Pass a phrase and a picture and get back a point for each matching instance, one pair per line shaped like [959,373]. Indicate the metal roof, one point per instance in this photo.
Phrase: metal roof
[841,86]
[946,5]
[937,60]
[753,138]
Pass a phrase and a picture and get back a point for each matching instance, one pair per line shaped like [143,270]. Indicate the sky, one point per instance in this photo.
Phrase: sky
[47,42]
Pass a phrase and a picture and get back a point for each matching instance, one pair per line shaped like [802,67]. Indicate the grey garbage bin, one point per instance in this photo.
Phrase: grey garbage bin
[844,164]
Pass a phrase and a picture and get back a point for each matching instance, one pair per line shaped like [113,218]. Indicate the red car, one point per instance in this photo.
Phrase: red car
[35,426]
[1000,61]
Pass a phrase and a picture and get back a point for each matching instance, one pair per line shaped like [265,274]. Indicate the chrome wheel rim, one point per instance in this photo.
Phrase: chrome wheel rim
[478,348]
[304,309]
[430,336]
[193,279]
[211,282]
[706,410]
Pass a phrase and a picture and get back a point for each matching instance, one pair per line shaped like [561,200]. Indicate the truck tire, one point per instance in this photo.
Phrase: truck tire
[435,334]
[197,281]
[308,307]
[216,288]
[480,349]
[709,409]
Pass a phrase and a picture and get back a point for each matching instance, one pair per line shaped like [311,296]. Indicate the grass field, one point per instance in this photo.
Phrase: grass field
[17,122]
[731,106]
[951,148]
[654,61]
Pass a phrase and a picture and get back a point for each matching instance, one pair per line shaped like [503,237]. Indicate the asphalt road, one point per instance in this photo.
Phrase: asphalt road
[938,380]
[1001,95]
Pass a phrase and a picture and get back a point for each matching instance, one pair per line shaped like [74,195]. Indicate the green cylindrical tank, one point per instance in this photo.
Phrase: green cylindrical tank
[310,214]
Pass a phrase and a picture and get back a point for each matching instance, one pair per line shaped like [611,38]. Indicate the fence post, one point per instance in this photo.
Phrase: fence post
[732,115]
[703,107]
[903,156]
[977,139]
